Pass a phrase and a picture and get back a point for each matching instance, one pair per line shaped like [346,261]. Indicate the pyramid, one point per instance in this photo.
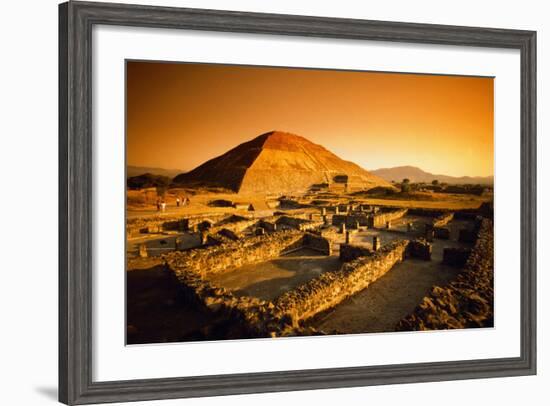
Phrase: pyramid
[279,162]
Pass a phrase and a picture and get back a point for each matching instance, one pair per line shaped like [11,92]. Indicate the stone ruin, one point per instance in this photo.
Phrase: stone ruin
[286,314]
[468,300]
[224,246]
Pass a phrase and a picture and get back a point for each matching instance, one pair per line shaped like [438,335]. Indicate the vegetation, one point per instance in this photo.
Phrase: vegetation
[381,191]
[148,180]
[406,185]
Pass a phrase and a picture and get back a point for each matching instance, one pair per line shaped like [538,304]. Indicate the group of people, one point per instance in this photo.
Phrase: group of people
[180,202]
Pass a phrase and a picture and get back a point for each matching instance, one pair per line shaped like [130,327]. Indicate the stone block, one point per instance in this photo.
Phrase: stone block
[442,233]
[456,257]
[421,249]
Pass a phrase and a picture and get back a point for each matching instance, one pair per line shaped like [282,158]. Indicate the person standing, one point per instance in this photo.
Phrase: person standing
[163,206]
[178,201]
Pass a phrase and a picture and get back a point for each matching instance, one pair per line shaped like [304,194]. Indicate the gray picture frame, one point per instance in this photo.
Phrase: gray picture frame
[76,20]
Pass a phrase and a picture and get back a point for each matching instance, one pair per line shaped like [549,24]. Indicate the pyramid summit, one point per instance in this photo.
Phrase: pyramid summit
[278,162]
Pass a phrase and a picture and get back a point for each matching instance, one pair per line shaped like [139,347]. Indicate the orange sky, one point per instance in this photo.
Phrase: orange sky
[180,115]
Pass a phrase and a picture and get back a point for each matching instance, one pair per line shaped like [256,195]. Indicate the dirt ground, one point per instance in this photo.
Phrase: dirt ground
[161,243]
[198,203]
[383,304]
[270,279]
[201,202]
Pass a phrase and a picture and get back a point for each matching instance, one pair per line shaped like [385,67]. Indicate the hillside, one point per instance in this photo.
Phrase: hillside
[415,174]
[279,162]
[132,171]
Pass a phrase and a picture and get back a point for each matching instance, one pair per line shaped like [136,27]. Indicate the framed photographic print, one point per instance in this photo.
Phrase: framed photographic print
[257,202]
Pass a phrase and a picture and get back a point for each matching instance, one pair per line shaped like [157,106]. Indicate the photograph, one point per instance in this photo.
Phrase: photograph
[275,203]
[267,202]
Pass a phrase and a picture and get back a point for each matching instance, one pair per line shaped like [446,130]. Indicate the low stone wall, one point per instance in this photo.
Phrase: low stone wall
[351,220]
[175,225]
[249,313]
[331,288]
[270,226]
[318,243]
[442,220]
[219,258]
[311,225]
[282,317]
[380,219]
[160,223]
[298,223]
[338,219]
[465,302]
[361,219]
[256,317]
[349,252]
[238,225]
[252,316]
[229,233]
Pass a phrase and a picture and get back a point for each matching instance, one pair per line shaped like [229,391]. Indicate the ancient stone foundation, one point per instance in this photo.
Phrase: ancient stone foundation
[421,249]
[360,267]
[213,223]
[220,258]
[299,223]
[283,316]
[318,243]
[351,221]
[442,219]
[468,300]
[268,225]
[331,288]
[381,219]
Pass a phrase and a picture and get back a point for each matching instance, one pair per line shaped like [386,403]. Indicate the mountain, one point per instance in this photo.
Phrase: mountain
[415,174]
[279,162]
[132,171]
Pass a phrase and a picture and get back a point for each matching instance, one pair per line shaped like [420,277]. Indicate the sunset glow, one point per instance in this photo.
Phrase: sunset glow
[180,115]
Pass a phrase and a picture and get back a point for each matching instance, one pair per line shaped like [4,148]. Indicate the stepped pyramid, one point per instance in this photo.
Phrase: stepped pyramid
[278,162]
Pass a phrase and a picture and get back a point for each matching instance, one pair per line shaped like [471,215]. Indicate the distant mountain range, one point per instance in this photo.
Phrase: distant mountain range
[132,171]
[415,174]
[278,161]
